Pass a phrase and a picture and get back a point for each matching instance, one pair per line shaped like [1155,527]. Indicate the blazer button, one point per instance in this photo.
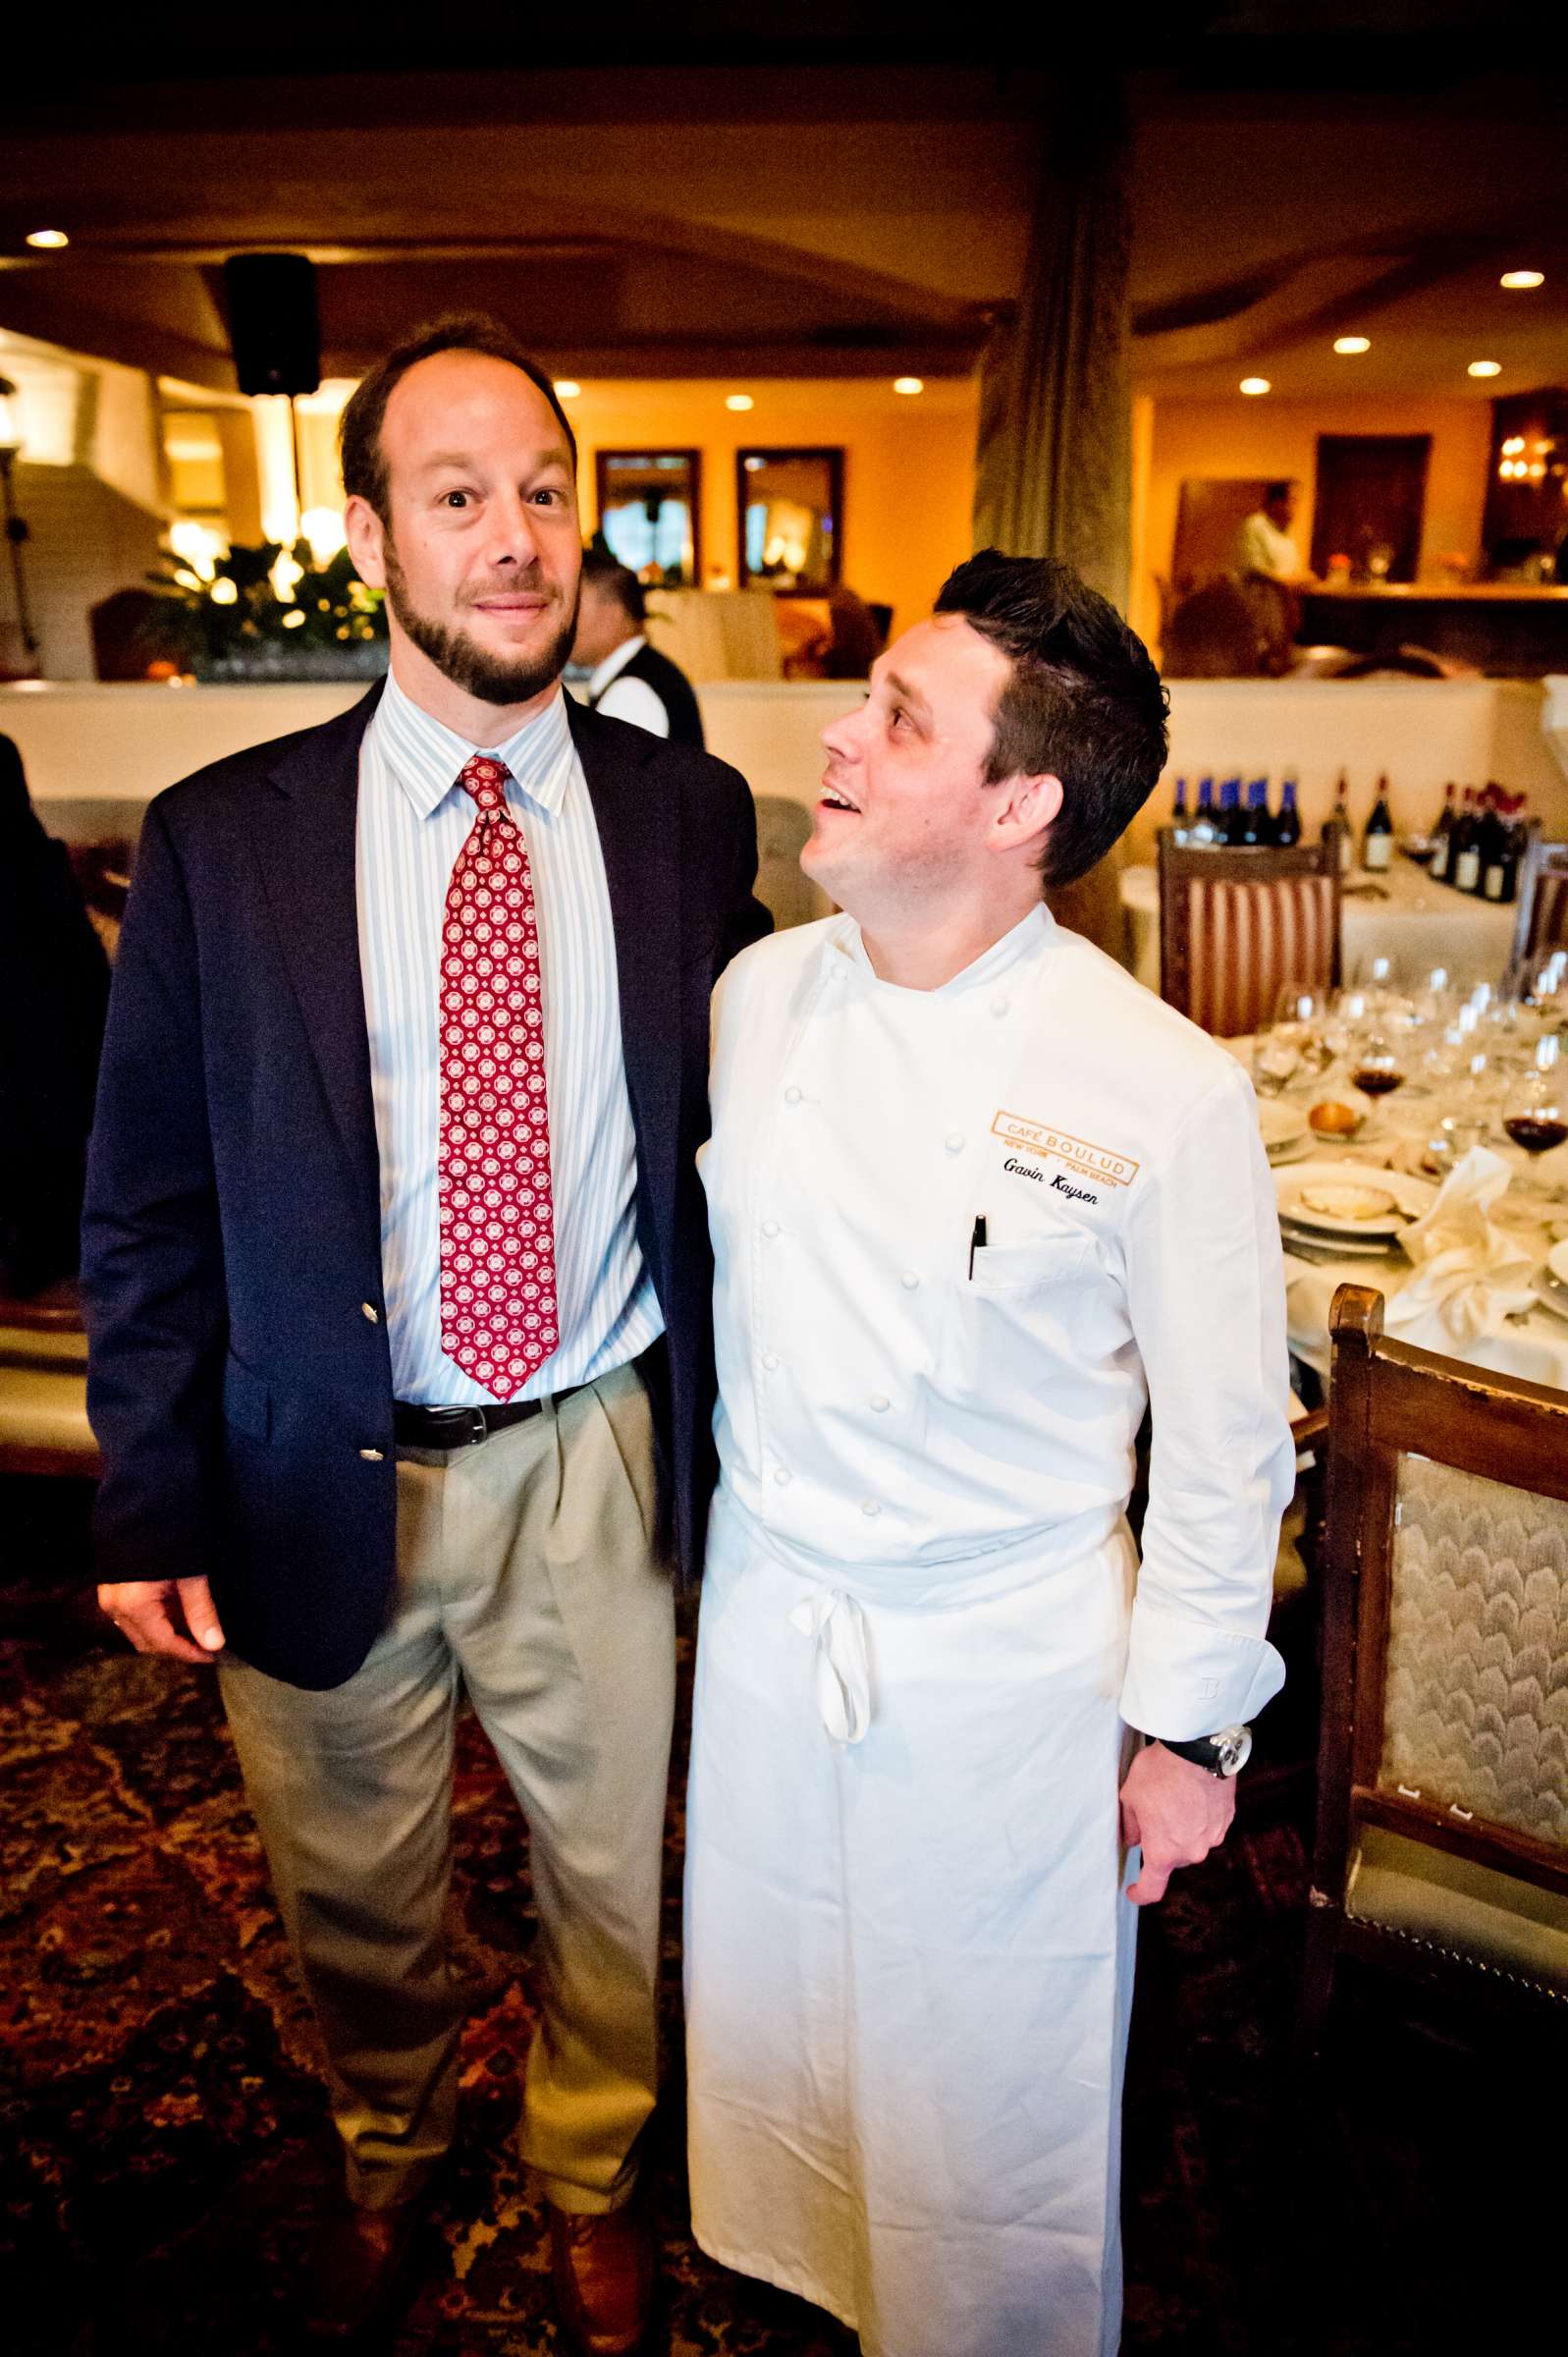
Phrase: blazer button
[368,1309]
[372,1456]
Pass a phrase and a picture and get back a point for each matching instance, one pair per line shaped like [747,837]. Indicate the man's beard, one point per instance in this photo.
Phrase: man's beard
[493,679]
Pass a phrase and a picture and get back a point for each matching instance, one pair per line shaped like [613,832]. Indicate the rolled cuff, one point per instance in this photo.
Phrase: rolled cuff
[1186,1678]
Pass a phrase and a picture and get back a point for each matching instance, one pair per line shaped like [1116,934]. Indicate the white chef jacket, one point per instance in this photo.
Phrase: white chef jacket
[1262,547]
[885,1411]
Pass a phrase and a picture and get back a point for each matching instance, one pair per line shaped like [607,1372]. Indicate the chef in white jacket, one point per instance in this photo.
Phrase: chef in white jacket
[976,1197]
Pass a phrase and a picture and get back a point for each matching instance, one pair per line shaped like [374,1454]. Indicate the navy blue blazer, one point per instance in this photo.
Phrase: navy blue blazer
[232,1233]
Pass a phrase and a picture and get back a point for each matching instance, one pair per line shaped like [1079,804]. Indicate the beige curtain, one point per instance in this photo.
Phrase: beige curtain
[1054,466]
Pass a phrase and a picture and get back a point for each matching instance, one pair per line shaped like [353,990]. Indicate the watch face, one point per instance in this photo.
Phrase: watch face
[1234,1747]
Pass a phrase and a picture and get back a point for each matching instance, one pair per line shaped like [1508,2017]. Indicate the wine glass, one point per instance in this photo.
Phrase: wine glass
[1535,1110]
[1380,1061]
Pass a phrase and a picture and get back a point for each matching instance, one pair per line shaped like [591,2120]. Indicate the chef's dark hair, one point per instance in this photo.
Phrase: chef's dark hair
[1084,701]
[1273,493]
[364,463]
[619,579]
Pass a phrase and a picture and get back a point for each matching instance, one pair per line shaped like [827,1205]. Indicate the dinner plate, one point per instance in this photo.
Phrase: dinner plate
[1391,1198]
[1336,1247]
[1280,1124]
[1295,1149]
[1552,1296]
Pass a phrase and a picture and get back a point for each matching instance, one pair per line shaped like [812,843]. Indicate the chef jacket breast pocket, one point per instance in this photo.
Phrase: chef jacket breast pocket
[1023,1302]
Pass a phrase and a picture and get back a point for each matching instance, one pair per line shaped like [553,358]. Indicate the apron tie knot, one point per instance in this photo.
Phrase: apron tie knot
[843,1670]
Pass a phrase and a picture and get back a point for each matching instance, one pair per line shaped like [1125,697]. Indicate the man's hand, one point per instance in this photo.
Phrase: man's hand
[1176,1811]
[166,1615]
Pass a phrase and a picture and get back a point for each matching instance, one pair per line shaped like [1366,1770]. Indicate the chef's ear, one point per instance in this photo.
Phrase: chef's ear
[1026,808]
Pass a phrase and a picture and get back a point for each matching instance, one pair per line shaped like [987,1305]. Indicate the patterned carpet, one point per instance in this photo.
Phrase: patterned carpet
[163,2133]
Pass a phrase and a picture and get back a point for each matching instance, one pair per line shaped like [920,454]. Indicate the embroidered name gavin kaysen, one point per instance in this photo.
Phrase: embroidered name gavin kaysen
[1027,1170]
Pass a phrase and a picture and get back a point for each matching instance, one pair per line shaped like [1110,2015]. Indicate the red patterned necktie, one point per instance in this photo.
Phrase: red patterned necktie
[498,1246]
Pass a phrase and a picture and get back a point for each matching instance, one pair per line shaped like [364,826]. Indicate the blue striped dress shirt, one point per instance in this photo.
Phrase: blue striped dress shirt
[413,818]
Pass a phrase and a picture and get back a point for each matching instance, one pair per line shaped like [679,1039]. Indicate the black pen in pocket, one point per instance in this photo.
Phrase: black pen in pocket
[977,1243]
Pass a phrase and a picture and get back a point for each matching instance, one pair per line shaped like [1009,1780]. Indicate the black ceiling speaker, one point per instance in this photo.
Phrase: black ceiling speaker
[273,322]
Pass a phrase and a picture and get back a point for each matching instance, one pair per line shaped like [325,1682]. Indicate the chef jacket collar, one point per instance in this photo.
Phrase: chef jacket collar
[845,943]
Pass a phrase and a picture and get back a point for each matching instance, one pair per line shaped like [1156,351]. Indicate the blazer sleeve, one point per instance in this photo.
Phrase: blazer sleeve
[153,1258]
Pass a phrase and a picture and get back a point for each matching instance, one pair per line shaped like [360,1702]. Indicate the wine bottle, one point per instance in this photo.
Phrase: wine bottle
[1179,817]
[1500,875]
[1465,867]
[1341,811]
[1232,817]
[1376,844]
[1204,829]
[1443,836]
[1257,828]
[1287,826]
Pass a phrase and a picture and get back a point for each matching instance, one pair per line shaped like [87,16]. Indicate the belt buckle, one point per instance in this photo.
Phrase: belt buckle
[466,1426]
[478,1429]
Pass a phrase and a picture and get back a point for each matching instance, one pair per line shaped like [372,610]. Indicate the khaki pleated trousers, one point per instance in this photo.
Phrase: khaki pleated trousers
[525,1574]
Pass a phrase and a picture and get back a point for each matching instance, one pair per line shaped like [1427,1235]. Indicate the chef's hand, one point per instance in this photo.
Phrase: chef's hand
[1176,1811]
[165,1615]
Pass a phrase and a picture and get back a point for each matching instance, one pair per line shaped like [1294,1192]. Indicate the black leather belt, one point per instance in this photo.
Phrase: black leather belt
[463,1427]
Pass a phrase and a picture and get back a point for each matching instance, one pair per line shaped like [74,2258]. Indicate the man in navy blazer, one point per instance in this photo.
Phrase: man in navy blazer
[296,1479]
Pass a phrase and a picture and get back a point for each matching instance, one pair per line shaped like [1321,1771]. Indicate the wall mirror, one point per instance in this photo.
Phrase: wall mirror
[790,534]
[650,513]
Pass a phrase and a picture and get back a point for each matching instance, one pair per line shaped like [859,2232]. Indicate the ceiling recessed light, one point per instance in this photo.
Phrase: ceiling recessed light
[1254,384]
[908,384]
[50,239]
[1523,278]
[739,400]
[1485,369]
[1352,342]
[566,387]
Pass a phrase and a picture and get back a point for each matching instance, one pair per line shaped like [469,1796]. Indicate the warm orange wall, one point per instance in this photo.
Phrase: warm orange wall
[909,465]
[1238,436]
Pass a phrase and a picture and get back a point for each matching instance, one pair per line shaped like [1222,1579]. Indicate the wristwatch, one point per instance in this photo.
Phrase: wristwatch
[1223,1754]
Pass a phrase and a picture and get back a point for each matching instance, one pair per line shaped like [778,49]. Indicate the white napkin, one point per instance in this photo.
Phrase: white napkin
[1470,1276]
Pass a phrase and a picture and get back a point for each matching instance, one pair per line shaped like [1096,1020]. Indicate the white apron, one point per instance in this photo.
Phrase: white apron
[909,1955]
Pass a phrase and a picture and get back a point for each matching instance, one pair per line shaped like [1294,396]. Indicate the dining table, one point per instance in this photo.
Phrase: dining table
[1397,1136]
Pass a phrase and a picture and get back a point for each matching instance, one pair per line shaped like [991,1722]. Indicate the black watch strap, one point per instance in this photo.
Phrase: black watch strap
[1216,1753]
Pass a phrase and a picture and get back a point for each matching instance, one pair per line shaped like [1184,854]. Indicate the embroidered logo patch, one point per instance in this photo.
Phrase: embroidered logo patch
[1031,1143]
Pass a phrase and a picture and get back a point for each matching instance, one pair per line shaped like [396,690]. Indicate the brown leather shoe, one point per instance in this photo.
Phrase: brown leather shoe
[355,2269]
[604,2272]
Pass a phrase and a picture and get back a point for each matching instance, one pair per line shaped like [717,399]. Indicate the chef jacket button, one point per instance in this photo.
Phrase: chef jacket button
[770,1226]
[954,1140]
[368,1309]
[909,1281]
[879,1400]
[869,1505]
[791,1096]
[781,1474]
[769,1359]
[372,1456]
[999,1006]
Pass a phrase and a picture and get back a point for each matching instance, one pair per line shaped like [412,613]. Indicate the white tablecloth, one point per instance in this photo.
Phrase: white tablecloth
[1420,923]
[1535,1348]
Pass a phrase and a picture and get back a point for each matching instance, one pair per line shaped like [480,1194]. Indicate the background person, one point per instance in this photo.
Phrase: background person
[976,1197]
[1265,545]
[631,680]
[396,1265]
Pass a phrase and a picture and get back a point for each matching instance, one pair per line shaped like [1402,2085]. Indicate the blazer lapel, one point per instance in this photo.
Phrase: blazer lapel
[638,836]
[305,832]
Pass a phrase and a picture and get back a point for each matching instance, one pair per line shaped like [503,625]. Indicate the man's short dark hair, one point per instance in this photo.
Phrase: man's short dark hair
[1084,702]
[619,579]
[364,464]
[1273,493]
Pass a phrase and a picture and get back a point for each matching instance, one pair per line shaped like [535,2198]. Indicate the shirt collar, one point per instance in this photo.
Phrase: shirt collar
[614,664]
[1029,934]
[426,757]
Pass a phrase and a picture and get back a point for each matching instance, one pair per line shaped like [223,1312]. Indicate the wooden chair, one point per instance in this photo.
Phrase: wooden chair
[1543,920]
[1236,927]
[1442,1797]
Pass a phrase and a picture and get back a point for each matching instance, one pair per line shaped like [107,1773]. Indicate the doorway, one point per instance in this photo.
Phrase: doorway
[1368,504]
